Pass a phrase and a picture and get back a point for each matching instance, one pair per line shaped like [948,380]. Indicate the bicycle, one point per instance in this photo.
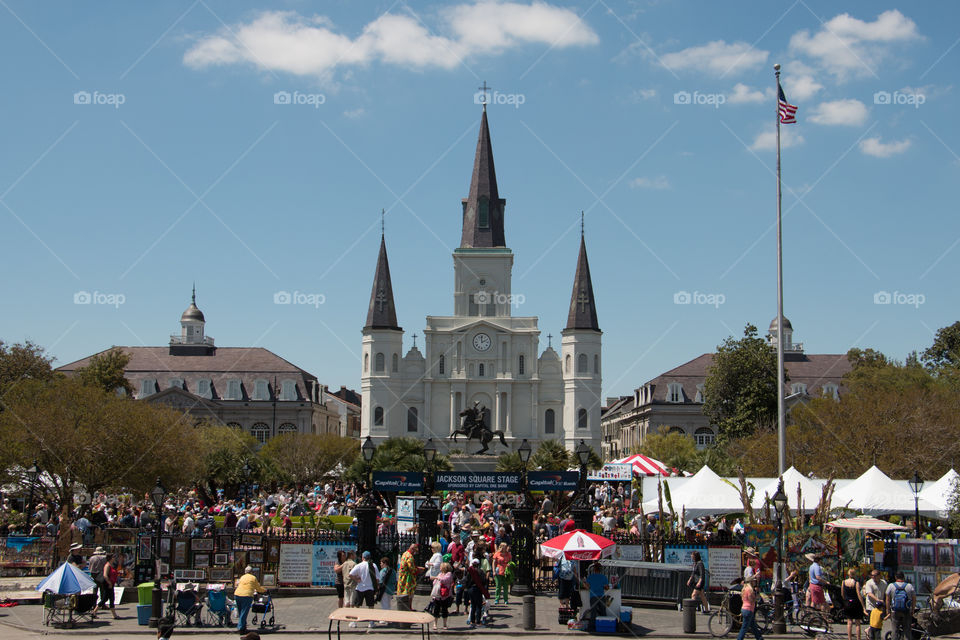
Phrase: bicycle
[722,620]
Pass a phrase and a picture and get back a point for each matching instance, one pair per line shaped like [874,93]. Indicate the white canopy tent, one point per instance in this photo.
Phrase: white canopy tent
[874,493]
[705,493]
[810,491]
[939,492]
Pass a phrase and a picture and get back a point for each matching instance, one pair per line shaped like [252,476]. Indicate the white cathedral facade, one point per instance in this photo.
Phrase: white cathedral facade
[482,354]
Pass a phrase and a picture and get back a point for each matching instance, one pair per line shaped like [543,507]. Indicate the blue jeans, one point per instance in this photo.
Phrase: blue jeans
[244,603]
[749,623]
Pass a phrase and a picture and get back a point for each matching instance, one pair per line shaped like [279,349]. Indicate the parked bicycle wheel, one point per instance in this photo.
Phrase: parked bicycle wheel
[813,622]
[720,623]
[763,616]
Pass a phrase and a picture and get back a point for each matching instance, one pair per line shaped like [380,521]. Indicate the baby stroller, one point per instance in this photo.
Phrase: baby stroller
[263,608]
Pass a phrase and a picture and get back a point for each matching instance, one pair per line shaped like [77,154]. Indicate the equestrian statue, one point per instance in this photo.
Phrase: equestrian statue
[473,427]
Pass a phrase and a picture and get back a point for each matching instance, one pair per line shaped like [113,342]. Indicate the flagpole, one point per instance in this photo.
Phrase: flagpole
[781,408]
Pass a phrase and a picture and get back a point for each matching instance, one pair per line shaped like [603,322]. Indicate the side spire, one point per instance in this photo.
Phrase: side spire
[382,312]
[583,308]
[483,207]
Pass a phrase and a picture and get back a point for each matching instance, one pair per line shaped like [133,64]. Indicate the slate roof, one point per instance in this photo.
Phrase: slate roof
[348,395]
[247,364]
[583,307]
[382,311]
[483,183]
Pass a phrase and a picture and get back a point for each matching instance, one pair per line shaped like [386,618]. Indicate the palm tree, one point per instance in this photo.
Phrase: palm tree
[551,455]
[509,462]
[397,454]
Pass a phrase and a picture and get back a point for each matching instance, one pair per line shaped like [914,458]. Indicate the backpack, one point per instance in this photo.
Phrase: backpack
[901,599]
[564,569]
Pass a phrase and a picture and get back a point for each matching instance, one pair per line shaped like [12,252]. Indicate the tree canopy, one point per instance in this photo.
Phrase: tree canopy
[106,371]
[300,458]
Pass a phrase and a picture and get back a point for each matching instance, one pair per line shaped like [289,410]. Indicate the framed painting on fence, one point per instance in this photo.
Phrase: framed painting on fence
[221,558]
[121,537]
[905,554]
[225,543]
[220,574]
[272,552]
[239,561]
[926,555]
[926,581]
[255,556]
[145,549]
[269,580]
[201,560]
[201,544]
[179,553]
[251,539]
[944,554]
[165,546]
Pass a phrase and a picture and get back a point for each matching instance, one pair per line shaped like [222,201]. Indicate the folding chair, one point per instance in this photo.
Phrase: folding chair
[187,608]
[83,605]
[219,611]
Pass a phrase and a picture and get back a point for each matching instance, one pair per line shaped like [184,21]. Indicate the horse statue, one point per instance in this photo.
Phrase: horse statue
[473,427]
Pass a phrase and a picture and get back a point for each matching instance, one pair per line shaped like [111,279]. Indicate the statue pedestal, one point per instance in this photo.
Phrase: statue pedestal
[466,462]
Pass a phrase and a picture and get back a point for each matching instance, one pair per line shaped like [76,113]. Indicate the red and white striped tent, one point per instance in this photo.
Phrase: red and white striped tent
[578,545]
[644,466]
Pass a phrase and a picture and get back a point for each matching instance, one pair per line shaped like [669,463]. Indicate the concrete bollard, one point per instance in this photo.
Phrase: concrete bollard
[689,615]
[529,613]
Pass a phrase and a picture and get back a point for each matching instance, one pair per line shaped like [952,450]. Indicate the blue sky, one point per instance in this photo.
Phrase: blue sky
[148,146]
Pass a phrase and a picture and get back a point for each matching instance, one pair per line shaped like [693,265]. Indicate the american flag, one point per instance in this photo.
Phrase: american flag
[787,111]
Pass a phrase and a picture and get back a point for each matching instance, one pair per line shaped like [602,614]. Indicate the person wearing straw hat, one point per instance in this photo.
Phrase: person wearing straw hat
[748,610]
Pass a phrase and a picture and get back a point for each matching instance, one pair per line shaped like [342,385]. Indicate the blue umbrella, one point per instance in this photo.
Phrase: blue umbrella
[65,580]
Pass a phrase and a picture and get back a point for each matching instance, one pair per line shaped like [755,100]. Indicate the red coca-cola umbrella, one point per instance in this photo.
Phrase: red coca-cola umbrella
[578,545]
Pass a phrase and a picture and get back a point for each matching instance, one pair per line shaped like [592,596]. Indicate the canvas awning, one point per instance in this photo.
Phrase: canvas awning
[704,493]
[939,492]
[810,490]
[645,466]
[874,493]
[867,523]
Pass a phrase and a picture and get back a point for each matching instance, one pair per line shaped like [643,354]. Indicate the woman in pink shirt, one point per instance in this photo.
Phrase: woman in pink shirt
[749,608]
[501,559]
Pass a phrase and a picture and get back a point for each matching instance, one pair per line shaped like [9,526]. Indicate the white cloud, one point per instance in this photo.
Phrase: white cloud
[359,112]
[874,147]
[658,182]
[642,95]
[851,113]
[288,42]
[742,94]
[717,57]
[847,46]
[766,140]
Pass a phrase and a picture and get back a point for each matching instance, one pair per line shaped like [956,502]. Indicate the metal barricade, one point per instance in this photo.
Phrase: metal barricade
[648,580]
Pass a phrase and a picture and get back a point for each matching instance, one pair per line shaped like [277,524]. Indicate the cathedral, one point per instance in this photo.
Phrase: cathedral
[482,355]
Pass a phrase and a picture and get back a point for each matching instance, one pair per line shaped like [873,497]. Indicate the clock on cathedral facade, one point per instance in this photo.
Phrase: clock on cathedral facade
[482,353]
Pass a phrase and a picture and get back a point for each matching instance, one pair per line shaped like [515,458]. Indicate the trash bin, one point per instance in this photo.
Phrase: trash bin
[689,615]
[145,593]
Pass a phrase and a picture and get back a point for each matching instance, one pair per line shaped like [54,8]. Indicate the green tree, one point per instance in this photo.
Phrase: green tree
[397,454]
[107,371]
[944,353]
[551,455]
[740,391]
[223,452]
[301,458]
[22,361]
[674,449]
[866,358]
[511,462]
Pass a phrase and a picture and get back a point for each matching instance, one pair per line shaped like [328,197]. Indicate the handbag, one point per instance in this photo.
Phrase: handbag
[435,592]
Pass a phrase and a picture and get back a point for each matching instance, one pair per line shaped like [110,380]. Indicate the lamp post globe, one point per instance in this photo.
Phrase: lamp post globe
[368,449]
[524,452]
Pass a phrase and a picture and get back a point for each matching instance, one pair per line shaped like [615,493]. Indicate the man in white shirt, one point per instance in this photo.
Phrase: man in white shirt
[363,575]
[874,594]
[188,524]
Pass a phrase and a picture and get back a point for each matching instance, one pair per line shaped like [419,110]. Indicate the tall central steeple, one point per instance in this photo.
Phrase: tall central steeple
[483,208]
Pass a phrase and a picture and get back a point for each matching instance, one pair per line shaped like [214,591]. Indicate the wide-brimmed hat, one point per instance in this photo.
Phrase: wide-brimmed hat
[812,557]
[99,551]
[190,586]
[76,546]
[750,551]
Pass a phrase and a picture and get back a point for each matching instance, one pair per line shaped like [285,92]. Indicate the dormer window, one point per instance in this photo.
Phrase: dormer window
[261,390]
[830,391]
[204,389]
[288,390]
[233,389]
[148,387]
[798,387]
[175,383]
[483,215]
[674,392]
[699,396]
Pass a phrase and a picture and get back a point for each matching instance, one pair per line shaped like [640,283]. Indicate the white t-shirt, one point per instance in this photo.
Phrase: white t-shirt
[361,575]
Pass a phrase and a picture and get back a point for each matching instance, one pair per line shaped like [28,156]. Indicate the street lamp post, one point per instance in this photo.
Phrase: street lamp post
[916,485]
[246,470]
[427,513]
[780,504]
[582,513]
[366,508]
[523,543]
[32,474]
[157,495]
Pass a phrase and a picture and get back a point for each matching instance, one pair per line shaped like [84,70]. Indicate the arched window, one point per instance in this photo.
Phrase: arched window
[260,431]
[830,391]
[380,362]
[366,362]
[235,425]
[596,363]
[549,421]
[798,387]
[704,437]
[396,363]
[568,363]
[440,365]
[582,363]
[378,416]
[480,370]
[520,365]
[412,419]
[287,427]
[582,419]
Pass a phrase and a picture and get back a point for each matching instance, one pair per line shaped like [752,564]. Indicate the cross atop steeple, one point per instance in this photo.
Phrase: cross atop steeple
[583,300]
[484,89]
[482,225]
[414,341]
[383,212]
[382,312]
[549,341]
[583,309]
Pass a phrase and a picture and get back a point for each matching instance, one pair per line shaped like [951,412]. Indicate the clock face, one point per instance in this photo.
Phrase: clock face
[481,342]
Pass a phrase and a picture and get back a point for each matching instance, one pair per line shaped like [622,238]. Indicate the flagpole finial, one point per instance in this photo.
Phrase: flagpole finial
[776,66]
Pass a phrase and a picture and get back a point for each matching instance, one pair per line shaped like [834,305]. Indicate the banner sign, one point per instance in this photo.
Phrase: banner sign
[477,481]
[553,480]
[394,481]
[296,563]
[612,472]
[724,565]
[676,554]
